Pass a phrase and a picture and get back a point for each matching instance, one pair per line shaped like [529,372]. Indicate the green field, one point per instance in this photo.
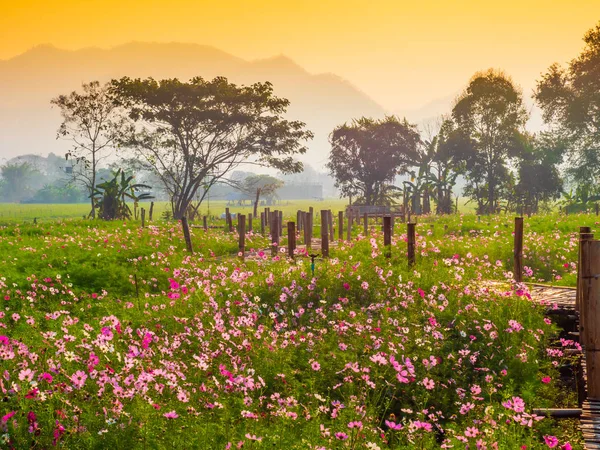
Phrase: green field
[114,335]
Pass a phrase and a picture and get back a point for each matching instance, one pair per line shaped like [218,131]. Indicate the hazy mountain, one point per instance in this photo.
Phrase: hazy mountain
[29,81]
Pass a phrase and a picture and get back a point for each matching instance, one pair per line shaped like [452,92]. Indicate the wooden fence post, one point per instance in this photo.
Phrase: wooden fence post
[330,224]
[590,304]
[340,225]
[387,236]
[411,238]
[366,224]
[584,234]
[324,234]
[186,235]
[143,217]
[291,231]
[518,250]
[242,234]
[205,223]
[280,222]
[308,231]
[262,223]
[249,222]
[150,212]
[349,230]
[274,234]
[299,220]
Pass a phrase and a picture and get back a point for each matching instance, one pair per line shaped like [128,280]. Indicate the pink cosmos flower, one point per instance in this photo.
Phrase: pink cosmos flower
[551,441]
[428,383]
[546,380]
[393,425]
[357,424]
[7,417]
[78,379]
[315,366]
[171,415]
[341,436]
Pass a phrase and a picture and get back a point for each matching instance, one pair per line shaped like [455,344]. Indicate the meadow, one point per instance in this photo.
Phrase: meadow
[114,335]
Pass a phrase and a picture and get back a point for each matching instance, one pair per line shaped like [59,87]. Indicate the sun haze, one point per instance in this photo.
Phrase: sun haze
[402,54]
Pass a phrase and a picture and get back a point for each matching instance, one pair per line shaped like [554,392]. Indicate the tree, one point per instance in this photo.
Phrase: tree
[91,123]
[367,155]
[570,101]
[256,186]
[448,163]
[16,180]
[539,178]
[112,195]
[490,118]
[194,133]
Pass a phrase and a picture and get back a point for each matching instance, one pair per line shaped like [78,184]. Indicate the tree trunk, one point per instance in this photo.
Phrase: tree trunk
[256,202]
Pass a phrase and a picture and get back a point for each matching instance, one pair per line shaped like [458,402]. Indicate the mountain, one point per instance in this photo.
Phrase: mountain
[29,81]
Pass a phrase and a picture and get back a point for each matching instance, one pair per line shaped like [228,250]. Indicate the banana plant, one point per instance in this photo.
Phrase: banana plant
[111,196]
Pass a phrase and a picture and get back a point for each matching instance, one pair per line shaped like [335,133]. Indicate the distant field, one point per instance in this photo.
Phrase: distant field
[17,212]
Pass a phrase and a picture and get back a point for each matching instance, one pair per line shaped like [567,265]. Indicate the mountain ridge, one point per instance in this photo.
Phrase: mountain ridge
[30,80]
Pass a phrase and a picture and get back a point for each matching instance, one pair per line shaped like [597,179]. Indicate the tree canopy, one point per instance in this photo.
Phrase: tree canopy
[367,154]
[194,133]
[570,101]
[91,123]
[489,117]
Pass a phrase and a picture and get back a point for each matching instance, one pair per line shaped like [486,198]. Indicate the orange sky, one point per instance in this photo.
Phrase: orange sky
[403,54]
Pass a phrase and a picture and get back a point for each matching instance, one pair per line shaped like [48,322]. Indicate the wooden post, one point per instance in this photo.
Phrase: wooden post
[324,233]
[584,234]
[349,229]
[518,250]
[151,211]
[597,208]
[249,222]
[186,235]
[340,225]
[143,217]
[590,305]
[280,222]
[330,224]
[411,238]
[291,231]
[308,232]
[262,223]
[274,234]
[204,223]
[242,234]
[387,236]
[298,220]
[366,224]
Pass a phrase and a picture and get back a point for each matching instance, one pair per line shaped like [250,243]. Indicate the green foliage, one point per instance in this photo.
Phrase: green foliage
[367,155]
[193,133]
[111,196]
[489,117]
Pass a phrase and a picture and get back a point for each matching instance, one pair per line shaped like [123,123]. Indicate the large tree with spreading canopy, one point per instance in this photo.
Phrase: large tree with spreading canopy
[195,133]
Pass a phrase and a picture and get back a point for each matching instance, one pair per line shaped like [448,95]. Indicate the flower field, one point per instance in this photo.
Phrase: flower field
[114,336]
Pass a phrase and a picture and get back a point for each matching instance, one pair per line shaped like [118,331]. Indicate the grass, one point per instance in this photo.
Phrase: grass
[114,335]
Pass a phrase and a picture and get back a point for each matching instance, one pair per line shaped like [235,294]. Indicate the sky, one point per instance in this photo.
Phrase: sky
[404,54]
